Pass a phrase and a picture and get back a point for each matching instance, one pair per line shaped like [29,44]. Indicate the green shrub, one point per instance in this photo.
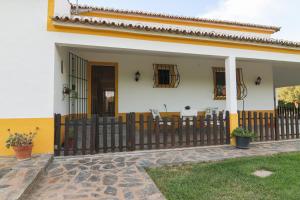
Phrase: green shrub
[20,139]
[240,132]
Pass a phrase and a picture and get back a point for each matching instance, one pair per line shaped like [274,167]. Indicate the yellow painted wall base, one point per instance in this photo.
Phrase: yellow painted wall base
[44,127]
[234,123]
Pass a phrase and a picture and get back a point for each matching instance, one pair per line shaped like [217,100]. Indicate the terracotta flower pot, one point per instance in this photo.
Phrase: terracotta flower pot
[23,153]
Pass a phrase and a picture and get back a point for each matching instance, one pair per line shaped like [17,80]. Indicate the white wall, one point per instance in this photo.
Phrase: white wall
[27,60]
[61,102]
[27,66]
[62,7]
[196,86]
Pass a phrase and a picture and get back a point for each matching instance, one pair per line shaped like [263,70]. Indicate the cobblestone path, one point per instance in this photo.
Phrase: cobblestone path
[122,175]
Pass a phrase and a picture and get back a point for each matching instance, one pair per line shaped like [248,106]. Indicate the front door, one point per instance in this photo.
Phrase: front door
[103,90]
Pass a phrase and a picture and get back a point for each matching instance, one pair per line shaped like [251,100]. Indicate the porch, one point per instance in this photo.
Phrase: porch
[103,98]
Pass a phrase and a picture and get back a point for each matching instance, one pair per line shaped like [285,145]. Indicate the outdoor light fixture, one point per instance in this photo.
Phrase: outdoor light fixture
[137,76]
[258,81]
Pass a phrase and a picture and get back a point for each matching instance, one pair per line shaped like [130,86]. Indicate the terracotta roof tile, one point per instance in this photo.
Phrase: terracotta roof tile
[169,30]
[168,16]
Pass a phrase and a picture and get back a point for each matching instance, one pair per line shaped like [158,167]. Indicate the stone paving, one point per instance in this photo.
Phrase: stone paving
[6,165]
[16,177]
[122,175]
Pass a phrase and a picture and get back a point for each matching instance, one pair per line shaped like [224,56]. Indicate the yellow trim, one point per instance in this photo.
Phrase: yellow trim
[101,64]
[51,5]
[234,123]
[44,127]
[173,39]
[180,22]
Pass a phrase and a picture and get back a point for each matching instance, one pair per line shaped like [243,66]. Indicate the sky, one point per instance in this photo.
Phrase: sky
[282,13]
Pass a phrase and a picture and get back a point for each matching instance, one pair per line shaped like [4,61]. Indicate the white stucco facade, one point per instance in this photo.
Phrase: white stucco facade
[196,88]
[31,82]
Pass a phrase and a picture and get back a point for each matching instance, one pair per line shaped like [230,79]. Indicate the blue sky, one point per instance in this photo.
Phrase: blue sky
[284,13]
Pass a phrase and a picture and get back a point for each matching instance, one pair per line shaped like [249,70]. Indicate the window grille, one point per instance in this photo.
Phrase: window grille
[78,84]
[220,83]
[166,76]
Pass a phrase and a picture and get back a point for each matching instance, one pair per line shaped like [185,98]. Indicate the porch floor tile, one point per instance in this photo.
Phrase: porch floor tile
[117,176]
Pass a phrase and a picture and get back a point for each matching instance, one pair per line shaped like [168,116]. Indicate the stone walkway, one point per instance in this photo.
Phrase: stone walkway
[122,175]
[16,177]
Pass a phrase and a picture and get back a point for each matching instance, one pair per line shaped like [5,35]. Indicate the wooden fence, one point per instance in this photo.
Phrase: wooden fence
[107,134]
[288,111]
[269,126]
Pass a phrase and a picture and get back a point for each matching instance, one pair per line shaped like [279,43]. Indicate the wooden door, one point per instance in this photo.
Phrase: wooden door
[103,90]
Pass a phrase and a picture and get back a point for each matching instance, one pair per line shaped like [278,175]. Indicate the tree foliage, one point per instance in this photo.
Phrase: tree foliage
[288,95]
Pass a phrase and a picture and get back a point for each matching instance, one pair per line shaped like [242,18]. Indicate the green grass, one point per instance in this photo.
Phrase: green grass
[232,179]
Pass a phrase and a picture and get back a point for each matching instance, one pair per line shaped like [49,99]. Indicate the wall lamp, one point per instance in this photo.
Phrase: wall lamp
[137,76]
[258,81]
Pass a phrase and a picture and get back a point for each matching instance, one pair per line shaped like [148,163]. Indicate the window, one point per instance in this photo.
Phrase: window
[220,83]
[165,76]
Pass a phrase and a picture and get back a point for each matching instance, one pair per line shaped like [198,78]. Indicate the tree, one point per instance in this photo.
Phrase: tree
[289,95]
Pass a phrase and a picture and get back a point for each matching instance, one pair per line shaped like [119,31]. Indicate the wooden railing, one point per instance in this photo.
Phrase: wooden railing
[270,126]
[107,134]
[288,111]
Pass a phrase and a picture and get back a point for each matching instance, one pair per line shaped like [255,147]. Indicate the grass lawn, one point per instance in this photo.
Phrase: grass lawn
[232,179]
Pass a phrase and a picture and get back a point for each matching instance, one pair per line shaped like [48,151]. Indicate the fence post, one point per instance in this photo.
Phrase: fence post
[120,133]
[255,128]
[227,127]
[66,141]
[105,123]
[297,125]
[208,129]
[165,132]
[261,127]
[132,132]
[93,133]
[84,133]
[141,131]
[149,132]
[187,131]
[180,124]
[113,134]
[221,129]
[75,136]
[272,126]
[277,137]
[287,126]
[97,142]
[195,131]
[157,132]
[173,132]
[266,126]
[57,134]
[292,125]
[244,119]
[127,147]
[249,120]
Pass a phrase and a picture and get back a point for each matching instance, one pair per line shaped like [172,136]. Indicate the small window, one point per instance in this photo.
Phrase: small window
[220,83]
[165,76]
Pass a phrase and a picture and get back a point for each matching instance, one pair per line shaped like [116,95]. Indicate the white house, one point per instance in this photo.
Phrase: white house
[68,59]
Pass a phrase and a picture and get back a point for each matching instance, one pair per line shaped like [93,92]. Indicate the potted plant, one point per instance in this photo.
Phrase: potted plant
[22,144]
[243,138]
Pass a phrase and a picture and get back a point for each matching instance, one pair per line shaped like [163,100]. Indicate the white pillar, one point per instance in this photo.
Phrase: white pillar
[231,87]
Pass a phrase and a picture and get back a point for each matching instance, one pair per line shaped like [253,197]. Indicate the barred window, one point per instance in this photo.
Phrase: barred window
[220,83]
[165,76]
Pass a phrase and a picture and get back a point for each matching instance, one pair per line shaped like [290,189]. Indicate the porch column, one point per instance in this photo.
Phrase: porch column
[231,93]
